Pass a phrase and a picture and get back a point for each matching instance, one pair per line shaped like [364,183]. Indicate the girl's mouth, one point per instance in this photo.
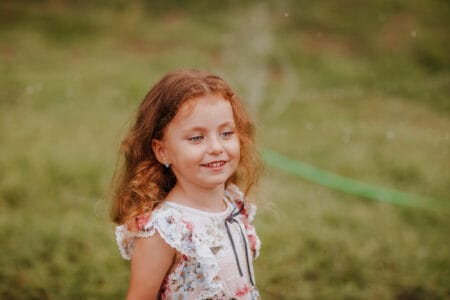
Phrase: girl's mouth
[215,164]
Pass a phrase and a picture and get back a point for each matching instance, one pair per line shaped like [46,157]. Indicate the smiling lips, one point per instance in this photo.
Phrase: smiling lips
[215,164]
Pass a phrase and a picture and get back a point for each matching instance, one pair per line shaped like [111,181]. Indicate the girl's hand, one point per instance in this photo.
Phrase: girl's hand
[152,259]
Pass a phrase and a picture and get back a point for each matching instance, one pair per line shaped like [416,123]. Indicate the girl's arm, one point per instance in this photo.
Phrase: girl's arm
[152,259]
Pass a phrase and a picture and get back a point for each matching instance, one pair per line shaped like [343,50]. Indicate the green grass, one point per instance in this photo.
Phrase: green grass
[352,91]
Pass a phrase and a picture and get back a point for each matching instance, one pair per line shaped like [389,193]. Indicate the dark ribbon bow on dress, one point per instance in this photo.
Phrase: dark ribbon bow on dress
[232,219]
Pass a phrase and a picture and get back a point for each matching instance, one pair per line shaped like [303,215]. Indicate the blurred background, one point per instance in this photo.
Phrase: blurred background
[357,88]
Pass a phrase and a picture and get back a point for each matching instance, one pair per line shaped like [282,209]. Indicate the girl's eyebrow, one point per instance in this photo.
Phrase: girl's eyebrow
[202,128]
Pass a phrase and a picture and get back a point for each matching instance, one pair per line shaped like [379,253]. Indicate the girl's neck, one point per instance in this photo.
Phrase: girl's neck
[211,200]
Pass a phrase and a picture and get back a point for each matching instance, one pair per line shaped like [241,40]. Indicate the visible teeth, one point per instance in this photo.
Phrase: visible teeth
[215,164]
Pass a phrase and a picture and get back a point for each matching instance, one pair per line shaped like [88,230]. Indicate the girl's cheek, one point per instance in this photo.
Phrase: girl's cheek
[237,144]
[231,145]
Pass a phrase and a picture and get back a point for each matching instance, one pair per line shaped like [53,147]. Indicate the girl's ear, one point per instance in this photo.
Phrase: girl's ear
[160,151]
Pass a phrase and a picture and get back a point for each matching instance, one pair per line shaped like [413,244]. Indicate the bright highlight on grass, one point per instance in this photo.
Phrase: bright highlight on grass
[348,185]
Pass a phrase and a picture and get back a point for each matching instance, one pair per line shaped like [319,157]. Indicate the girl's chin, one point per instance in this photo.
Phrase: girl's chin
[213,183]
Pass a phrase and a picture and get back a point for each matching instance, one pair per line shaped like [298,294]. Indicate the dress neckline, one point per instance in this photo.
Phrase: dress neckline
[200,211]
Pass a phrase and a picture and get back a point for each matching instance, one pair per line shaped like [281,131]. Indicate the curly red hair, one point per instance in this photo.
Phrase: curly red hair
[141,182]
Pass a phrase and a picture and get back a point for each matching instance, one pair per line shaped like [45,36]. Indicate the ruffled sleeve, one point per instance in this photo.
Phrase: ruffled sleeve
[177,232]
[248,214]
[171,227]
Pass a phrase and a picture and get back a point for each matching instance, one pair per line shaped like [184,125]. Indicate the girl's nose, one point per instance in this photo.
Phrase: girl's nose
[215,146]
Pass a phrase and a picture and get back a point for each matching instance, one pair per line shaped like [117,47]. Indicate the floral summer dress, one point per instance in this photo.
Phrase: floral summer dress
[216,250]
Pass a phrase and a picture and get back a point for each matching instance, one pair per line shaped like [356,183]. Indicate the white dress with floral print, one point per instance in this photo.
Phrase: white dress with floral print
[209,267]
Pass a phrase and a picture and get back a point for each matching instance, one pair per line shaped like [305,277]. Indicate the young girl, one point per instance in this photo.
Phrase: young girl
[182,218]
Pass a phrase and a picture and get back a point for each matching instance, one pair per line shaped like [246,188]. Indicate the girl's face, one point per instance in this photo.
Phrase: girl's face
[201,143]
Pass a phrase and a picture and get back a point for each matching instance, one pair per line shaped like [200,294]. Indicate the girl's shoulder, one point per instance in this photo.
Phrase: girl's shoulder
[168,221]
[247,212]
[236,196]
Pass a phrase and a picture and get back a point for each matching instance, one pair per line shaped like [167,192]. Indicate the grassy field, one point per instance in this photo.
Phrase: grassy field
[358,90]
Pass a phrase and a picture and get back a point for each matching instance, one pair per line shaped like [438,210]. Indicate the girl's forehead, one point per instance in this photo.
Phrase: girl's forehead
[204,104]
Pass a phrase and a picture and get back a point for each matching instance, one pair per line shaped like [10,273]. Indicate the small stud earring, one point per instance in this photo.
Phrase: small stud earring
[166,165]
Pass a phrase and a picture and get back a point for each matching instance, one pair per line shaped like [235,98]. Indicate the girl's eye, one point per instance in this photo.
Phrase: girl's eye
[227,134]
[197,138]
